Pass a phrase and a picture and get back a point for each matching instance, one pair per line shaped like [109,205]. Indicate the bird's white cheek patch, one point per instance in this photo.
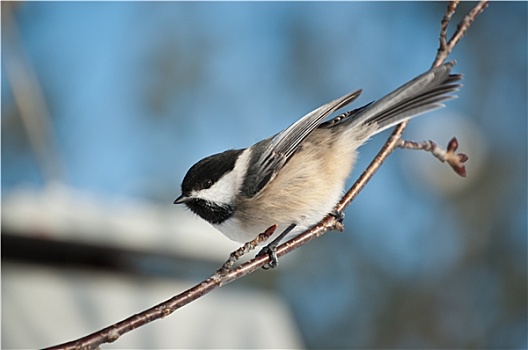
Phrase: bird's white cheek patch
[224,190]
[221,192]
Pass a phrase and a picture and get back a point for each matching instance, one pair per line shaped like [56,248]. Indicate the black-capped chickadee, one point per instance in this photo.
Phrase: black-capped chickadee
[295,178]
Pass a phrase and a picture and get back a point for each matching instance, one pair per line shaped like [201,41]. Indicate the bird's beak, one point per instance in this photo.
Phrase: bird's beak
[181,199]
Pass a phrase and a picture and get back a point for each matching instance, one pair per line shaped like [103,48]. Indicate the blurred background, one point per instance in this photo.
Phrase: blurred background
[106,105]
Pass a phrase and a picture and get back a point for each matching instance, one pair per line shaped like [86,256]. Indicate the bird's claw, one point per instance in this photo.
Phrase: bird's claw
[270,251]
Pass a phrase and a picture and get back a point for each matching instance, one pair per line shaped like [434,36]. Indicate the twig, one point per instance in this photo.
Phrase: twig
[442,54]
[447,46]
[112,333]
[246,248]
[328,223]
[222,276]
[455,160]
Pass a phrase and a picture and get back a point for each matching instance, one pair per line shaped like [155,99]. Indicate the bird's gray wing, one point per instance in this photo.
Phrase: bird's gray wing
[270,155]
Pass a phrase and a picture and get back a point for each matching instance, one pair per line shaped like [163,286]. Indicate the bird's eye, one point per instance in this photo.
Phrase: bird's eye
[207,184]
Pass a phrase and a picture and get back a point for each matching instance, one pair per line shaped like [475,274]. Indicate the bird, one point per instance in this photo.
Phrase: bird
[294,178]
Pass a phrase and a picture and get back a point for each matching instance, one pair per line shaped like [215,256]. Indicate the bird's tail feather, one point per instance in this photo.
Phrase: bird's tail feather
[422,94]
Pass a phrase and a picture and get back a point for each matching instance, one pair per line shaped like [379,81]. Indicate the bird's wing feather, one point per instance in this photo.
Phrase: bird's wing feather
[273,153]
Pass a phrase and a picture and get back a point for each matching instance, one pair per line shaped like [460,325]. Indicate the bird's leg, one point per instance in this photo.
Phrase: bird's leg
[339,216]
[271,249]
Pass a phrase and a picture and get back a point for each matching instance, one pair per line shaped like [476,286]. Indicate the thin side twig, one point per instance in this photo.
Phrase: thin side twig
[246,248]
[455,160]
[446,47]
[442,54]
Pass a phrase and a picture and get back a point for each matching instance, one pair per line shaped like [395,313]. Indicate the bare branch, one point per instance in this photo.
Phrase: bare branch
[441,54]
[221,277]
[455,160]
[447,46]
[246,248]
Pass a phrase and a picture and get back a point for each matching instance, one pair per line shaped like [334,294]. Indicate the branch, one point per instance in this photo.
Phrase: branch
[225,274]
[447,46]
[246,248]
[455,160]
[112,333]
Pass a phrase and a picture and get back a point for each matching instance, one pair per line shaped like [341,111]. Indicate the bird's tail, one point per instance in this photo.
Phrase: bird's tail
[422,94]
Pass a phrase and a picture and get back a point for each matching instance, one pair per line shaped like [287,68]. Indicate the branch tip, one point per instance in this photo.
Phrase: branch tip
[455,160]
